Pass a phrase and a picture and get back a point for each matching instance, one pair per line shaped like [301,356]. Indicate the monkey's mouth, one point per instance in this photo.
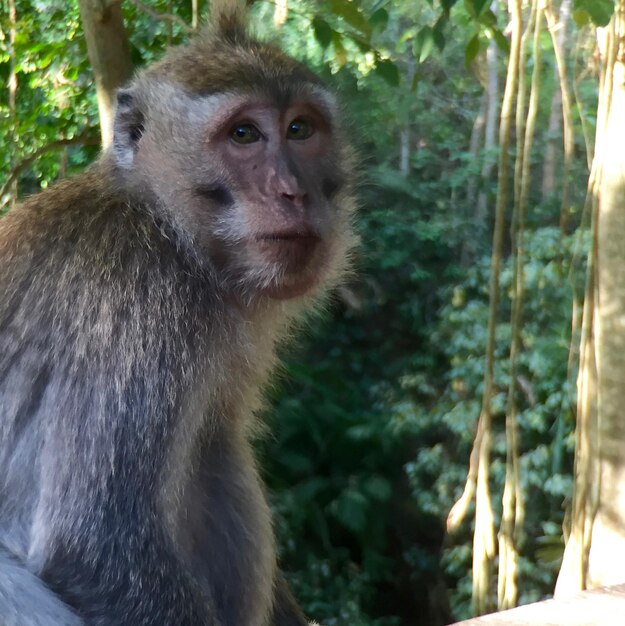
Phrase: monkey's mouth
[289,235]
[292,250]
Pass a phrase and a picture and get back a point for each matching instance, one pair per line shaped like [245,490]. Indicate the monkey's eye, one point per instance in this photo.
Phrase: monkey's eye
[300,129]
[245,134]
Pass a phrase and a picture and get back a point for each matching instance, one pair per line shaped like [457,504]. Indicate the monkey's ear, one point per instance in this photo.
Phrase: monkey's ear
[228,20]
[128,128]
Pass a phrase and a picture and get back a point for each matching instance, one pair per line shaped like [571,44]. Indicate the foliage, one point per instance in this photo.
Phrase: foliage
[54,97]
[373,420]
[597,11]
[546,418]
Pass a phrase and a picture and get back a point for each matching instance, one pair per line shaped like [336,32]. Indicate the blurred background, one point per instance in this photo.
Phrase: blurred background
[420,441]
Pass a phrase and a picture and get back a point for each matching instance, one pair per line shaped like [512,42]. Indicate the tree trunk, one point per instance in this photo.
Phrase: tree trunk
[595,551]
[550,161]
[513,506]
[109,54]
[551,148]
[477,133]
[558,30]
[478,476]
[195,14]
[468,247]
[12,97]
[490,131]
[404,151]
[281,12]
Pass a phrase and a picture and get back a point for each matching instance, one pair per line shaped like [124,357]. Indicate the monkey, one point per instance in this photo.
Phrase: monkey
[142,305]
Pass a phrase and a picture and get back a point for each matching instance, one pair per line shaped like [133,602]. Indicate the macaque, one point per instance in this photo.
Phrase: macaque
[142,304]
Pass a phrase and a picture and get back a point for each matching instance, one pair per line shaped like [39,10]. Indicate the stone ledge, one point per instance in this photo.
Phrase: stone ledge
[599,607]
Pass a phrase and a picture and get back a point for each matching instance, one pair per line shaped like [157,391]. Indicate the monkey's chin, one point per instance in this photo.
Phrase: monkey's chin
[290,289]
[292,258]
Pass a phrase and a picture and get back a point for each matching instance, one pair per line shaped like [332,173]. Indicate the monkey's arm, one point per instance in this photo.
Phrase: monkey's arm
[26,601]
[111,559]
[101,542]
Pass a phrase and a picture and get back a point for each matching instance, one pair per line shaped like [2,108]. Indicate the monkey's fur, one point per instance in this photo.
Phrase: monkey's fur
[135,334]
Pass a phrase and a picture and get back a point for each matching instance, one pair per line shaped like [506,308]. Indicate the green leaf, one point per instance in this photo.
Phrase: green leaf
[472,49]
[439,40]
[500,39]
[379,19]
[323,32]
[362,43]
[488,19]
[388,71]
[340,54]
[476,7]
[350,13]
[581,18]
[296,463]
[448,4]
[437,32]
[599,11]
[423,44]
[378,487]
[351,509]
[415,81]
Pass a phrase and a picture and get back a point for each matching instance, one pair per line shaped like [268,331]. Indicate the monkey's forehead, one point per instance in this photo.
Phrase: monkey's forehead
[206,67]
[209,112]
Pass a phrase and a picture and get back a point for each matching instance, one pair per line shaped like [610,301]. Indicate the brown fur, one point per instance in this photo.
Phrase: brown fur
[142,304]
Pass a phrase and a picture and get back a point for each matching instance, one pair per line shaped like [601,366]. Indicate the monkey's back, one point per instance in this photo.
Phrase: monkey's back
[112,359]
[84,274]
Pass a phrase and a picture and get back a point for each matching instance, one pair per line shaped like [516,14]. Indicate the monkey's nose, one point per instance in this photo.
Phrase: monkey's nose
[295,198]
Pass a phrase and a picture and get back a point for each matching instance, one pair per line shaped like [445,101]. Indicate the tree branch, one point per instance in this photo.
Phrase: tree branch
[86,138]
[164,17]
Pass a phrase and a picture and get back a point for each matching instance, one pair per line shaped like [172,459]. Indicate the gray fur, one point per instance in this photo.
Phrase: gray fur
[20,591]
[132,359]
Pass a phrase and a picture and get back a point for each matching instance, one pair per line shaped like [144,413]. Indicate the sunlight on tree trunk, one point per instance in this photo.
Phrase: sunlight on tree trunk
[479,464]
[195,14]
[281,12]
[572,576]
[459,510]
[484,539]
[521,114]
[513,509]
[595,550]
[586,124]
[558,30]
[12,84]
[109,54]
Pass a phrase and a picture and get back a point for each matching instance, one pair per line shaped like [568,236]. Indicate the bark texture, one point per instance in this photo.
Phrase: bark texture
[109,54]
[595,551]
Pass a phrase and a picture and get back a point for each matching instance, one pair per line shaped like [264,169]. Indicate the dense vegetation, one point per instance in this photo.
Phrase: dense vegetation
[372,422]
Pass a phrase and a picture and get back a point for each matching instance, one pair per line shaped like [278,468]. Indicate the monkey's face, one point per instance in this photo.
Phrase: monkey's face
[252,181]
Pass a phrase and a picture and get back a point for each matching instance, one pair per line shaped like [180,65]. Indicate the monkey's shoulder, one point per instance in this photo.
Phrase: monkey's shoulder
[73,199]
[82,215]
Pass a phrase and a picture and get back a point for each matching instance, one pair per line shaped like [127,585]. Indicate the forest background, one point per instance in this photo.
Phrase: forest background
[454,420]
